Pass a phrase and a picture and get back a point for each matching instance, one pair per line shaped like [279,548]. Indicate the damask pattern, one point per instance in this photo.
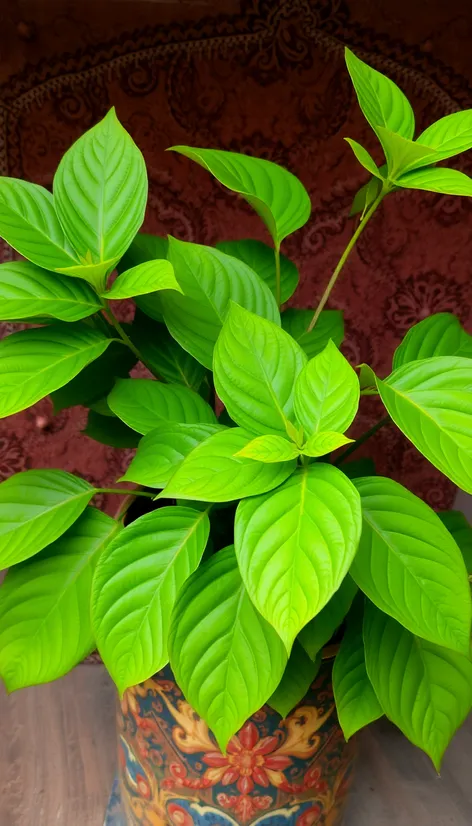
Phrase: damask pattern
[269,80]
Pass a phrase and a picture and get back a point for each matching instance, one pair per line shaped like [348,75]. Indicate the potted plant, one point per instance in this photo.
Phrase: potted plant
[263,553]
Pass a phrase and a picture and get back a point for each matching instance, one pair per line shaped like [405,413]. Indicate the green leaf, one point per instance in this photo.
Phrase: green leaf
[330,325]
[424,689]
[403,155]
[108,430]
[367,380]
[461,531]
[255,366]
[364,158]
[327,392]
[356,701]
[143,279]
[27,291]
[450,135]
[213,473]
[45,627]
[277,196]
[366,195]
[324,442]
[380,99]
[270,449]
[143,404]
[431,402]
[440,334]
[319,631]
[144,247]
[297,678]
[100,193]
[33,363]
[28,222]
[295,545]
[228,668]
[409,566]
[136,583]
[96,380]
[163,449]
[437,179]
[162,352]
[260,257]
[36,507]
[210,279]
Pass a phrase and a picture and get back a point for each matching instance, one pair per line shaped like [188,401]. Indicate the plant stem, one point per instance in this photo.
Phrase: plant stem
[360,441]
[126,492]
[278,292]
[343,259]
[126,339]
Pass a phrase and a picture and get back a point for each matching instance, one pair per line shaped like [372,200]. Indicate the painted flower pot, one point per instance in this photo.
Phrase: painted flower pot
[276,772]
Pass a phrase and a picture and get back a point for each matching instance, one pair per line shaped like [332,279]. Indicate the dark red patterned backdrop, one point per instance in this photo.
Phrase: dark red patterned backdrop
[265,77]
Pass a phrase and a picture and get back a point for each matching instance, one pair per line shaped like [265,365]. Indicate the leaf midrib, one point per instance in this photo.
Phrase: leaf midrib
[54,364]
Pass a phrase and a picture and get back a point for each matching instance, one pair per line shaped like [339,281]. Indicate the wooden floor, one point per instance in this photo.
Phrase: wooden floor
[57,761]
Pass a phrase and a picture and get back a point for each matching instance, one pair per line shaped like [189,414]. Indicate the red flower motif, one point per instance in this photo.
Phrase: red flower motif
[243,806]
[247,762]
[310,817]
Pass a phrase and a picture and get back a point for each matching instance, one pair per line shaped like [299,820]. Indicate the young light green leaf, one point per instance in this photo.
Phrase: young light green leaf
[226,669]
[450,135]
[45,627]
[135,586]
[210,279]
[424,689]
[431,402]
[270,448]
[163,450]
[403,155]
[324,442]
[297,678]
[36,507]
[27,291]
[96,380]
[409,566]
[260,257]
[356,701]
[437,179]
[255,366]
[164,354]
[318,632]
[440,334]
[143,404]
[143,247]
[212,472]
[143,279]
[364,158]
[277,196]
[380,99]
[28,222]
[330,325]
[461,531]
[367,380]
[100,192]
[35,362]
[108,430]
[326,392]
[295,545]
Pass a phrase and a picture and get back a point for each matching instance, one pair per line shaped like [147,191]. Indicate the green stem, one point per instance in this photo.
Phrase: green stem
[362,439]
[126,339]
[126,492]
[278,291]
[343,259]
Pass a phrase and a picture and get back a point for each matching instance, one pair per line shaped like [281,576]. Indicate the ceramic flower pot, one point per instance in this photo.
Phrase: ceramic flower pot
[278,772]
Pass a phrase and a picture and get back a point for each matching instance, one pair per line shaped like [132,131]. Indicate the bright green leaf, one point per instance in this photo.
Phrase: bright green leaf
[380,99]
[37,507]
[210,279]
[356,701]
[143,279]
[164,354]
[367,380]
[33,363]
[319,631]
[295,545]
[260,257]
[27,291]
[324,442]
[450,135]
[144,247]
[326,392]
[409,566]
[440,334]
[108,430]
[255,366]
[45,627]
[270,448]
[143,404]
[461,530]
[297,678]
[162,450]
[136,583]
[424,689]
[367,194]
[97,379]
[228,668]
[403,155]
[277,196]
[364,158]
[330,325]
[213,473]
[437,179]
[431,402]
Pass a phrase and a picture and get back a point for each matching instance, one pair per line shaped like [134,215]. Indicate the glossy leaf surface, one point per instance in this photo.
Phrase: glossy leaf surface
[403,155]
[330,325]
[144,247]
[108,430]
[437,179]
[319,630]
[167,358]
[324,442]
[96,380]
[461,530]
[142,279]
[326,393]
[363,156]
[297,678]
[270,449]
[143,404]
[260,257]
[449,135]
[28,291]
[440,334]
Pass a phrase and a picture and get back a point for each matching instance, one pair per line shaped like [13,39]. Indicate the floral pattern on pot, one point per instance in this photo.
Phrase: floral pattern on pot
[275,772]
